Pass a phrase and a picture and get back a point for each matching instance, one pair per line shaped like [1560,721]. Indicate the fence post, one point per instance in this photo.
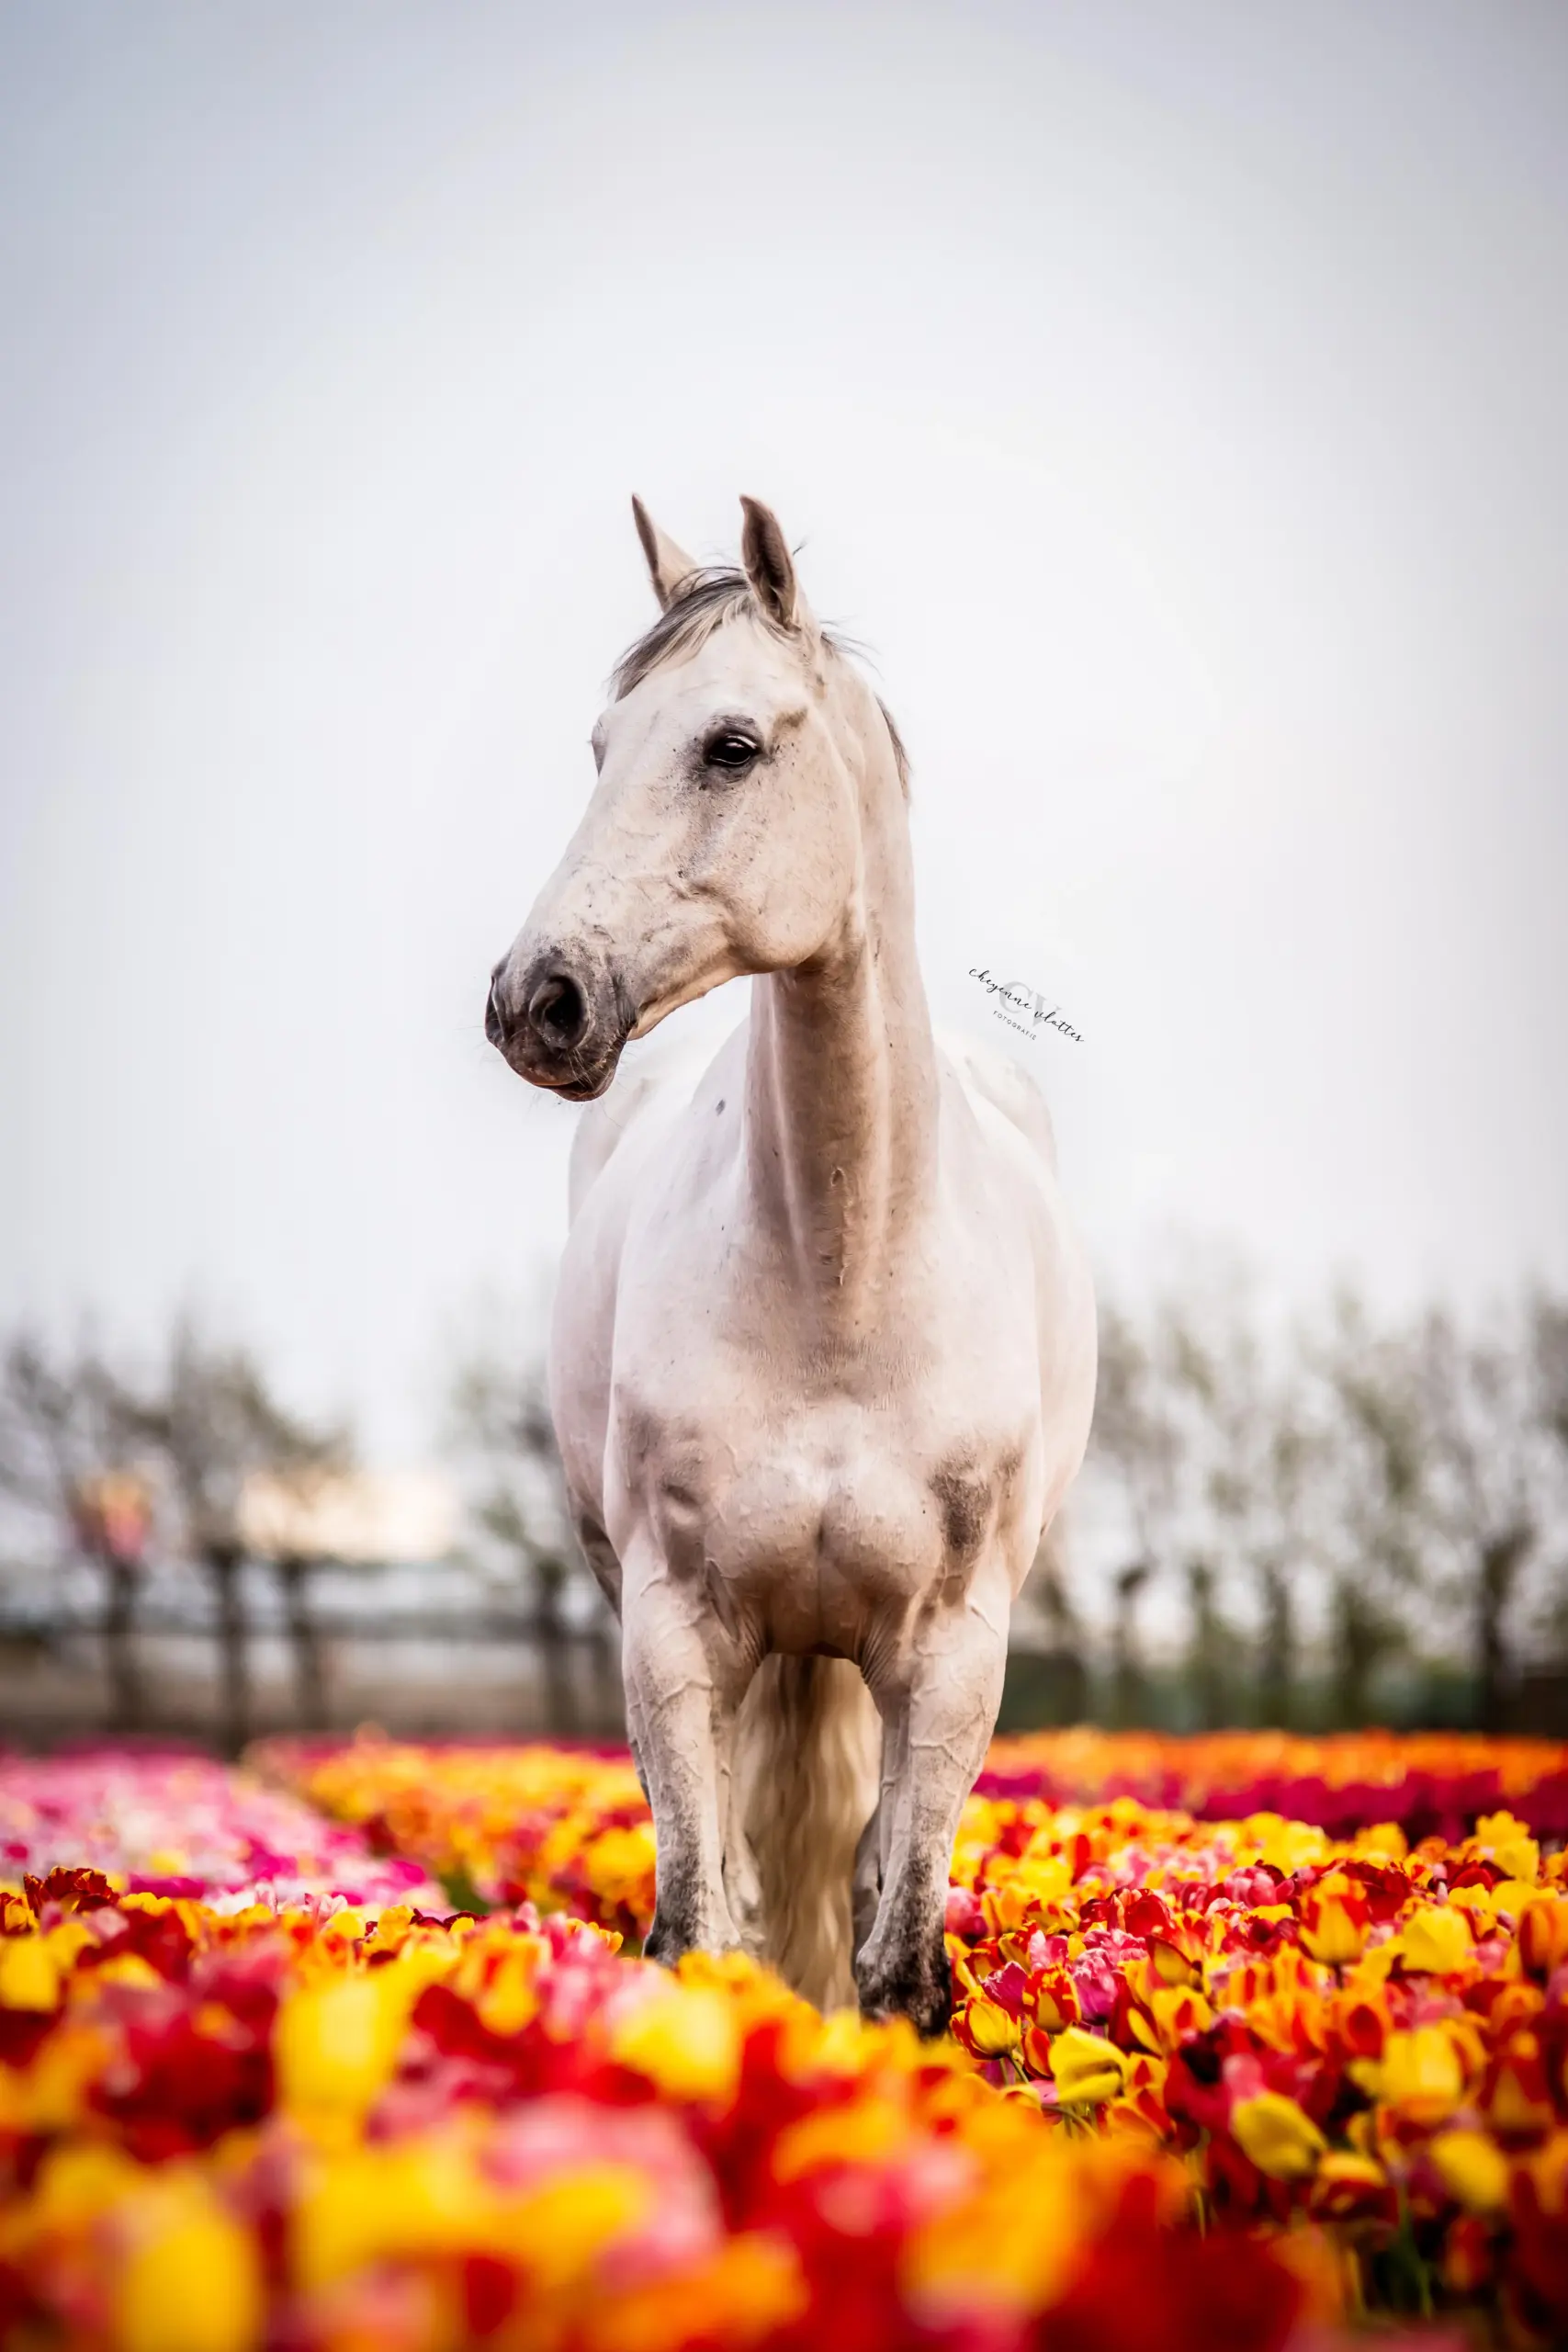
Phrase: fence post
[224,1561]
[305,1641]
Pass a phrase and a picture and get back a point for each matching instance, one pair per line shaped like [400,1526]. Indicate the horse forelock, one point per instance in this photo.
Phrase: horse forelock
[708,600]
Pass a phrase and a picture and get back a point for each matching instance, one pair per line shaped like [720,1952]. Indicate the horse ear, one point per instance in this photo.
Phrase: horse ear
[668,566]
[770,567]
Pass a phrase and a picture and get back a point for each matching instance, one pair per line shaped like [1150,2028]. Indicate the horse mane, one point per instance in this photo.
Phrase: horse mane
[706,599]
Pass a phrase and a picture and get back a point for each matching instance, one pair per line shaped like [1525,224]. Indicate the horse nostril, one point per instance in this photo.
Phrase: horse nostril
[558,1011]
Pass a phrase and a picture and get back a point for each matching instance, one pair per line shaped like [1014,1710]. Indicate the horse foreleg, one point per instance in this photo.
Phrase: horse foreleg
[865,1887]
[682,1691]
[873,1851]
[940,1707]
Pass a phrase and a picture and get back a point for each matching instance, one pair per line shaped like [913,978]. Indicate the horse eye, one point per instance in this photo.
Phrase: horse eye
[730,751]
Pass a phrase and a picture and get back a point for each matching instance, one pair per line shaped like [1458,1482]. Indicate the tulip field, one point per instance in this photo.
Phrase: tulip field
[1258,2042]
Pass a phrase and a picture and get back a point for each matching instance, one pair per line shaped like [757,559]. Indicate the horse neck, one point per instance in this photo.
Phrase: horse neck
[842,1084]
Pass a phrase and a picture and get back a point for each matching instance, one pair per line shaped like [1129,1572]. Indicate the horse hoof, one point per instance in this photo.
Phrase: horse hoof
[664,1944]
[921,1990]
[668,1943]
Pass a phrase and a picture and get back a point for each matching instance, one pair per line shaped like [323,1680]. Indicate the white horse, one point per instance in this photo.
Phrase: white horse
[823,1359]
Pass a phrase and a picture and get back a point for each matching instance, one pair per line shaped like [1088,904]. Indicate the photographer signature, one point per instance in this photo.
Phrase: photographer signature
[1018,998]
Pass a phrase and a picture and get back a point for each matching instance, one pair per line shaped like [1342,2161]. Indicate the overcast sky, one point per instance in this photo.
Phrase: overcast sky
[1172,396]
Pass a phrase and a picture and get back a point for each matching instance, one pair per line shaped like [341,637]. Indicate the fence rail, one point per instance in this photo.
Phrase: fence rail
[228,1661]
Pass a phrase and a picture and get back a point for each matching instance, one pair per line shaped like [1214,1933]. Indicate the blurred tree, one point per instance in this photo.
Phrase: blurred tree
[1380,1458]
[1057,1675]
[293,1572]
[210,1419]
[1184,1418]
[1210,1644]
[1136,1429]
[1547,1318]
[113,1514]
[1129,1683]
[1388,1479]
[1261,1461]
[1209,1350]
[501,1432]
[1396,1475]
[1549,1337]
[1495,1413]
[1277,1642]
[1137,1441]
[61,1460]
[1286,1543]
[1365,1635]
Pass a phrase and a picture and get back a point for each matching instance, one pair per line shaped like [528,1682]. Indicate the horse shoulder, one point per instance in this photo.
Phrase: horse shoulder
[993,1076]
[1011,1109]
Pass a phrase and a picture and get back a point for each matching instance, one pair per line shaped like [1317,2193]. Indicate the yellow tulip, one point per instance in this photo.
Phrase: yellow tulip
[562,2227]
[1385,1841]
[865,2132]
[509,2001]
[1520,2100]
[65,1940]
[1021,2237]
[1278,2137]
[1421,2075]
[336,2044]
[991,2029]
[1346,2182]
[29,1977]
[130,1968]
[411,2196]
[1509,1845]
[1085,2068]
[1329,1933]
[1176,2012]
[1172,1965]
[195,2285]
[748,2290]
[1436,1941]
[686,2040]
[1472,2169]
[1289,1844]
[1543,1934]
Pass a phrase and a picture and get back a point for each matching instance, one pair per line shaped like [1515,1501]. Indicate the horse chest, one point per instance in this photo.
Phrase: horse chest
[815,1522]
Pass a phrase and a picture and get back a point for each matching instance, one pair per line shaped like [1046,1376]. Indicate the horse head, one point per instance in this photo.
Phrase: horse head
[722,837]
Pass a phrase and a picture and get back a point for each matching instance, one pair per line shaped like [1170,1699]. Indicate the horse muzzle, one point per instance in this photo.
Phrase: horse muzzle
[559,1021]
